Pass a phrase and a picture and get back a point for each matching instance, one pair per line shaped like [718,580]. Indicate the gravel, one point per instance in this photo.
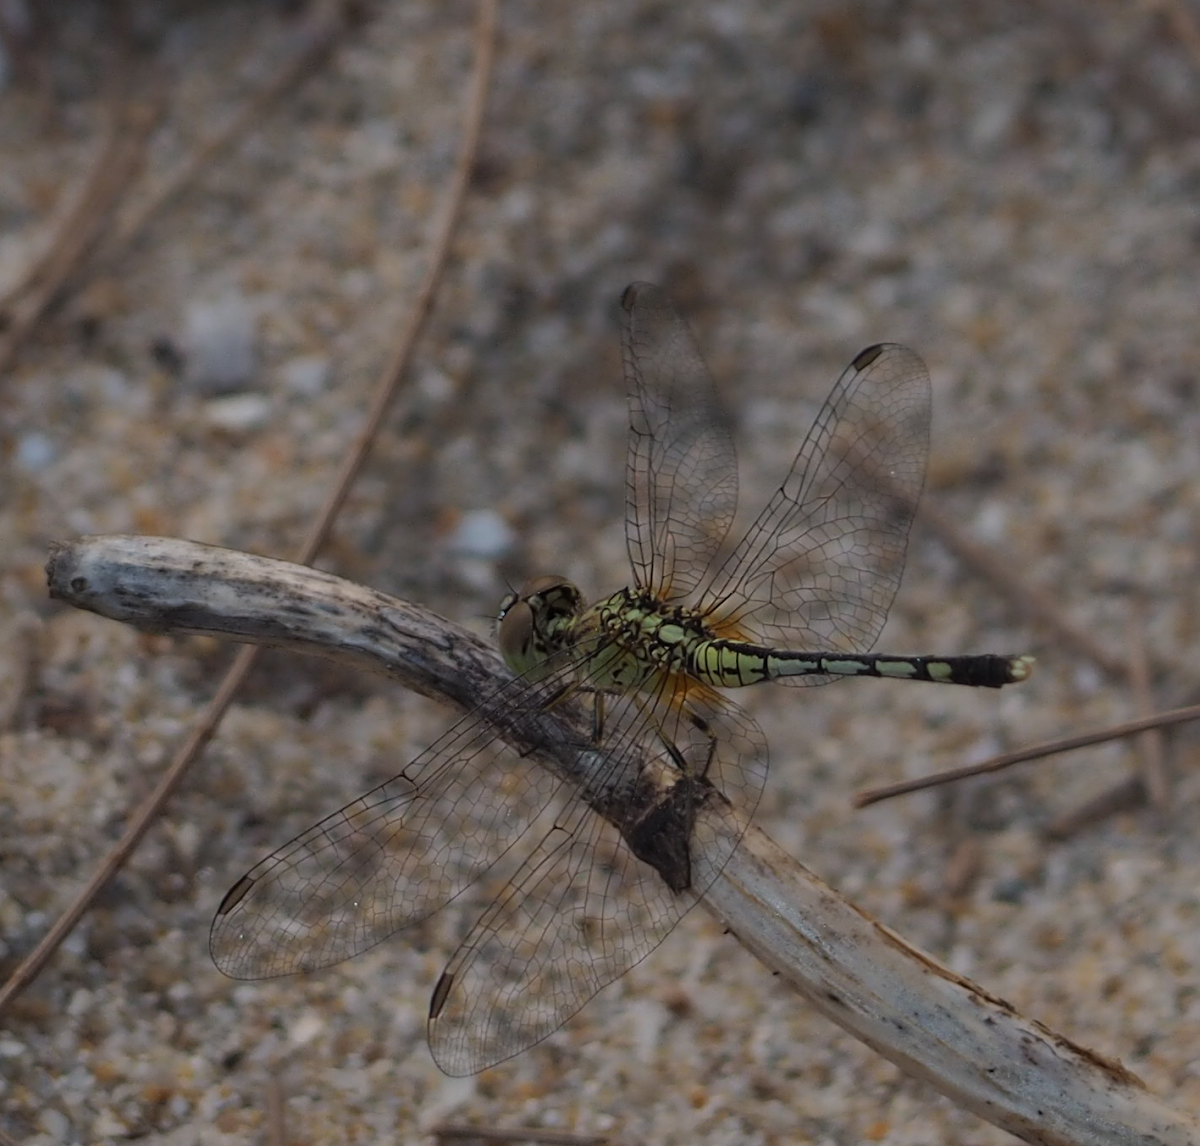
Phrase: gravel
[1016,198]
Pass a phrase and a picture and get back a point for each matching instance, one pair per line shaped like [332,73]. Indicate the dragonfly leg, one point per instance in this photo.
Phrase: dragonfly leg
[561,695]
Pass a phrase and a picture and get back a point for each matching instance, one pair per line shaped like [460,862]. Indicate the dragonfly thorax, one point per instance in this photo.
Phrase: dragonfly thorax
[537,622]
[648,636]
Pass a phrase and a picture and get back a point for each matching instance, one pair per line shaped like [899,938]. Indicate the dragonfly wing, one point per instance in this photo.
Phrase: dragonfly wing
[820,566]
[583,909]
[393,856]
[556,936]
[681,481]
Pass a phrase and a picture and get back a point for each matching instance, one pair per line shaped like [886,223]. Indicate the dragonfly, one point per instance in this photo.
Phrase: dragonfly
[615,856]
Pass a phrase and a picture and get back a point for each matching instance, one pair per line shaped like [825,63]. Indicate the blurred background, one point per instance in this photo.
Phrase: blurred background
[1012,190]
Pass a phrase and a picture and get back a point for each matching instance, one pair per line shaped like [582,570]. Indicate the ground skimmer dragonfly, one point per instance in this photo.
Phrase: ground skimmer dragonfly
[798,599]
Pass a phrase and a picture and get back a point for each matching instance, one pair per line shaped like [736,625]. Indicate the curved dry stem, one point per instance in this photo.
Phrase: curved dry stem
[932,1023]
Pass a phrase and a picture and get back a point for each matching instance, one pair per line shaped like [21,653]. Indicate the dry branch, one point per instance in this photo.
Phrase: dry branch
[931,1022]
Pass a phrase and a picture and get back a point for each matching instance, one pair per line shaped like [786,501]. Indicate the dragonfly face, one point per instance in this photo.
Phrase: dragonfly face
[535,623]
[671,769]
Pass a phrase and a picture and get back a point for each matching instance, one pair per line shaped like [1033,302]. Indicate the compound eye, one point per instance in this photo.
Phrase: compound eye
[554,597]
[514,634]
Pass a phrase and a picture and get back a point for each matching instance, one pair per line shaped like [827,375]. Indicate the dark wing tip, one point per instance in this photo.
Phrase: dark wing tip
[235,895]
[864,358]
[633,292]
[441,993]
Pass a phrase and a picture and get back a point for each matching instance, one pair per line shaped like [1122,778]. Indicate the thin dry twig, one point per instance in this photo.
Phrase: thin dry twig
[79,206]
[1150,784]
[932,1023]
[87,230]
[1034,752]
[328,24]
[1137,667]
[120,157]
[386,386]
[1149,744]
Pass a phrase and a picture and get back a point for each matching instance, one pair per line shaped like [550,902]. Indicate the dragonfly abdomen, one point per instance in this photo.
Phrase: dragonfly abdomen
[732,664]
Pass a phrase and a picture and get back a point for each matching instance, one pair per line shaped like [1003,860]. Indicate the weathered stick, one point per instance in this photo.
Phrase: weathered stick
[932,1023]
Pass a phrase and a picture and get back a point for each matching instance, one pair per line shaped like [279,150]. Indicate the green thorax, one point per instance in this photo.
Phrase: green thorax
[627,640]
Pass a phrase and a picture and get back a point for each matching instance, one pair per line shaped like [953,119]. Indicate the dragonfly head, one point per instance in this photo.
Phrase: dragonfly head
[535,623]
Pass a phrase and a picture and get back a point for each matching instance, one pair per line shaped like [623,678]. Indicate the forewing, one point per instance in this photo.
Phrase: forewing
[582,909]
[393,856]
[818,569]
[681,480]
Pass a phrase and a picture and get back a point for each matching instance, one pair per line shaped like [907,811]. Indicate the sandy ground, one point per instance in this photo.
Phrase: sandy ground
[1013,192]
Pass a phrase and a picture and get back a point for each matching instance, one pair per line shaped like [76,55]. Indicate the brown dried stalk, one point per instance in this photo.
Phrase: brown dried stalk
[932,1023]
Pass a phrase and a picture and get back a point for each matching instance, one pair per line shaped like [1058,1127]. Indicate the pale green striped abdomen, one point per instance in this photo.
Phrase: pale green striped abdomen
[732,664]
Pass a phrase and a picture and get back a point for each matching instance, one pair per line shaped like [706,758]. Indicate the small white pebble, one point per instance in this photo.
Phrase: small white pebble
[306,1028]
[476,575]
[307,375]
[238,413]
[482,533]
[220,340]
[187,839]
[108,1125]
[648,1020]
[1087,679]
[435,384]
[35,451]
[991,522]
[80,1003]
[357,284]
[55,1123]
[374,148]
[443,1098]
[993,124]
[874,241]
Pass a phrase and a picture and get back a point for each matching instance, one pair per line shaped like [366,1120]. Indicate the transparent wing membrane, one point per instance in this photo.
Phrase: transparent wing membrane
[820,566]
[582,909]
[619,851]
[392,857]
[681,484]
